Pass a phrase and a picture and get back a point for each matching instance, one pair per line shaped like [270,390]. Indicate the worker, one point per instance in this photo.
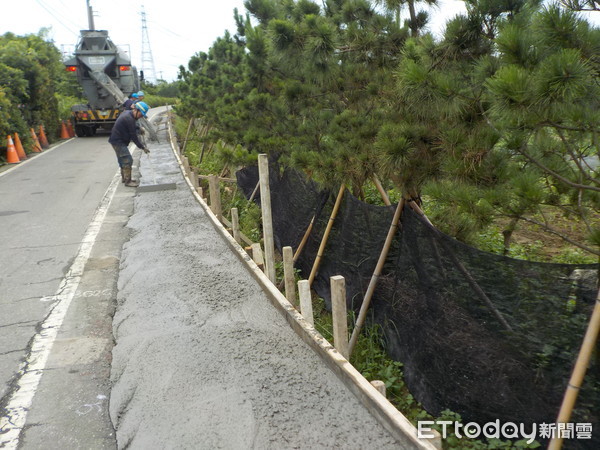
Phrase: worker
[133,97]
[140,95]
[123,132]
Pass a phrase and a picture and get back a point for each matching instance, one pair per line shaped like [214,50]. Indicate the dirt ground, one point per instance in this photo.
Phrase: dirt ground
[551,245]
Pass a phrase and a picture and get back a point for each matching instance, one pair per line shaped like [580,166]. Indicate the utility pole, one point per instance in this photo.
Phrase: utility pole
[147,60]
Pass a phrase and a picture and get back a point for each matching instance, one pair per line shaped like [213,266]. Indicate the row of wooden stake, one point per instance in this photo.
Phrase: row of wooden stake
[341,341]
[266,259]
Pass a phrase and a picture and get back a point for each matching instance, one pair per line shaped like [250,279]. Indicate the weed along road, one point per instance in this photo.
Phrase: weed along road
[128,321]
[59,253]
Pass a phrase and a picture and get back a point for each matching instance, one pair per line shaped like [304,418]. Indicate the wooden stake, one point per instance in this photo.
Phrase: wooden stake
[235,225]
[362,315]
[194,177]
[581,365]
[301,246]
[257,256]
[228,180]
[384,195]
[339,314]
[267,219]
[224,171]
[380,386]
[336,207]
[187,133]
[256,188]
[215,196]
[305,301]
[288,275]
[204,133]
[304,239]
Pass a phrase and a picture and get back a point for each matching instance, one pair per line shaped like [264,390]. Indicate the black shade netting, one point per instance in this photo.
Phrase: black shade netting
[486,336]
[294,201]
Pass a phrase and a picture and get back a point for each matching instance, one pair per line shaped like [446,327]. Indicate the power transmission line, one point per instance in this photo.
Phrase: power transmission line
[60,18]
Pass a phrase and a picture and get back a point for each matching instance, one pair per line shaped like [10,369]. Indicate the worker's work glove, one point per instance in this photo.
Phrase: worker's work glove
[146,150]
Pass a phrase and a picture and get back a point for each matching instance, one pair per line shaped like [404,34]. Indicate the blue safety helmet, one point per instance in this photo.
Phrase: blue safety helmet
[142,107]
[134,95]
[140,93]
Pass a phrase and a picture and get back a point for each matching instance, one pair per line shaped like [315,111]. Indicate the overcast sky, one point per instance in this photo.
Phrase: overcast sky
[176,29]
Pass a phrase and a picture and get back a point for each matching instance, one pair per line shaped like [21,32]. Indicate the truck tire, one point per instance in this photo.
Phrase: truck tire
[84,131]
[80,131]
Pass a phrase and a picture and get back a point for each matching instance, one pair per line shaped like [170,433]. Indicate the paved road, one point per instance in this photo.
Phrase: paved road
[46,206]
[57,294]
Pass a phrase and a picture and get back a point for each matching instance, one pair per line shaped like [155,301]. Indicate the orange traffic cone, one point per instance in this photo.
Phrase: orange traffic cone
[11,152]
[64,133]
[70,128]
[19,147]
[36,147]
[42,138]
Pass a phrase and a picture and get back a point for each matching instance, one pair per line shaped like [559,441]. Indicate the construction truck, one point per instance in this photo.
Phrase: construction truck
[107,78]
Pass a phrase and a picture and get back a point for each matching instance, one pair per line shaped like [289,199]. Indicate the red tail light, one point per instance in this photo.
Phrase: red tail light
[71,68]
[124,68]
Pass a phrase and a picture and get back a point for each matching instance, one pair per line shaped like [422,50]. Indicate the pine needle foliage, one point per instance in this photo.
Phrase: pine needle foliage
[496,121]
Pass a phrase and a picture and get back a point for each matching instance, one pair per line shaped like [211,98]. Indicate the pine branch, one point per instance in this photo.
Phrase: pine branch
[557,175]
[568,128]
[539,164]
[581,5]
[576,158]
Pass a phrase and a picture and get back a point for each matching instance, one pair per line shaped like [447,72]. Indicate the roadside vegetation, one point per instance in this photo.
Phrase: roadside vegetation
[31,75]
[492,127]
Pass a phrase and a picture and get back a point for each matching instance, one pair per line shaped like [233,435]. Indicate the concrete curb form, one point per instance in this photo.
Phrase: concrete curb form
[385,413]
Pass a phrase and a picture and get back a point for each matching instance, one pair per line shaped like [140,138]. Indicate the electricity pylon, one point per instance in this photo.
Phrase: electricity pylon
[147,60]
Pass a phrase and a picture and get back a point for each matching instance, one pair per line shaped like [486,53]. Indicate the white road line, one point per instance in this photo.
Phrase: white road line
[32,369]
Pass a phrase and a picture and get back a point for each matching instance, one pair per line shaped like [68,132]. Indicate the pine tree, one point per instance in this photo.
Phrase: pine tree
[494,123]
[544,100]
[498,121]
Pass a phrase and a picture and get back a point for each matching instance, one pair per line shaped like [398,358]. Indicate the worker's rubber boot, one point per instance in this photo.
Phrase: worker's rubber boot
[123,179]
[128,181]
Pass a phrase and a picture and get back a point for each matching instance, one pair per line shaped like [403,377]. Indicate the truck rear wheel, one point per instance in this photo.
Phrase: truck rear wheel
[79,131]
[84,131]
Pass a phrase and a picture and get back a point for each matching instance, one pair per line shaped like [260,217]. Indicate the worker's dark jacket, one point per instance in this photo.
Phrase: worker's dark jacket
[124,130]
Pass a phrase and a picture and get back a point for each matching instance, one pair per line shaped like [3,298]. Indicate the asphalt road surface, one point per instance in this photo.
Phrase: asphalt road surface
[127,322]
[63,215]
